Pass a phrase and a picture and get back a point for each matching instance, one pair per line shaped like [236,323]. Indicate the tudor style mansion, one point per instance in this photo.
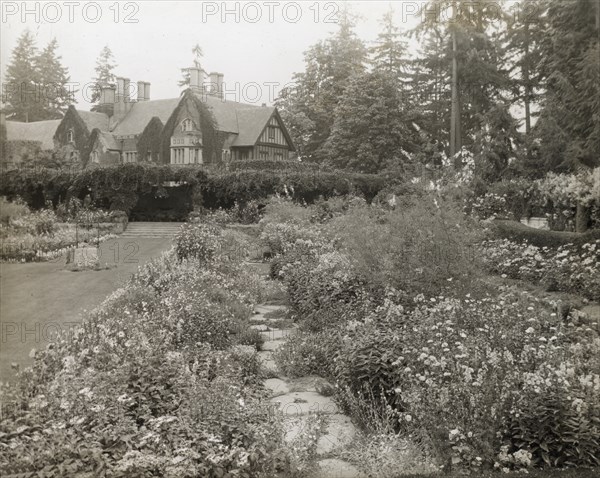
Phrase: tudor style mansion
[125,128]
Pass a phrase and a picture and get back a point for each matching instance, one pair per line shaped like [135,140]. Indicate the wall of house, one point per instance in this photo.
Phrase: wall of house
[271,152]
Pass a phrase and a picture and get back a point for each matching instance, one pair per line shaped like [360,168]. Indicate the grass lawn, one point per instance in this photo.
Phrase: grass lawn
[39,299]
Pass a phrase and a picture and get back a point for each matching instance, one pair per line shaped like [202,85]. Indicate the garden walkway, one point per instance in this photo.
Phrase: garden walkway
[304,401]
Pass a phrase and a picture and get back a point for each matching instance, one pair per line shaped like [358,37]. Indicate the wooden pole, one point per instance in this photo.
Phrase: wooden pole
[454,117]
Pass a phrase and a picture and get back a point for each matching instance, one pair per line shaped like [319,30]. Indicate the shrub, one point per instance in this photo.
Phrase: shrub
[517,232]
[304,354]
[423,249]
[197,241]
[250,337]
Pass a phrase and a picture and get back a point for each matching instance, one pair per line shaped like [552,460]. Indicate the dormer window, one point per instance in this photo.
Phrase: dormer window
[70,136]
[187,125]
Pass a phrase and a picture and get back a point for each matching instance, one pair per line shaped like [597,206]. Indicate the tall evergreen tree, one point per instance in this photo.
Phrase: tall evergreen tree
[105,64]
[309,106]
[470,54]
[390,50]
[568,130]
[22,96]
[54,78]
[374,127]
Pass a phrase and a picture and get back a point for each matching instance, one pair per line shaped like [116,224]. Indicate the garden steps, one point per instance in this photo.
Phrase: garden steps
[152,229]
[304,400]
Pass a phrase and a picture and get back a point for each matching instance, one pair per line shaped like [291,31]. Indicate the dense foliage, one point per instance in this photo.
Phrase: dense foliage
[157,381]
[508,380]
[119,187]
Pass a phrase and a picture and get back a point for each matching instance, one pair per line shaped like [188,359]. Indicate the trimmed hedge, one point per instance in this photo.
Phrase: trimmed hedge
[517,232]
[119,187]
[273,165]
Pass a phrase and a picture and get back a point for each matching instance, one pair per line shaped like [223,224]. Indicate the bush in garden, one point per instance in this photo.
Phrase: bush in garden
[250,337]
[423,249]
[197,241]
[305,354]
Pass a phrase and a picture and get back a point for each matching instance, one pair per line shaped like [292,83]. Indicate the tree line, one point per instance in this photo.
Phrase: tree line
[382,107]
[37,84]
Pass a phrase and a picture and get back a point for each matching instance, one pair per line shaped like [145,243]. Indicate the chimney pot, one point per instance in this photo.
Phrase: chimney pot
[146,91]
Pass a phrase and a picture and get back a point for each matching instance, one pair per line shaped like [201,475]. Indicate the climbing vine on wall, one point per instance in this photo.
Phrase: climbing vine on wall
[149,142]
[212,141]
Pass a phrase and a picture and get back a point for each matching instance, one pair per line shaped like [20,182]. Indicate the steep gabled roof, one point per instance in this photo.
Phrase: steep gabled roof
[108,140]
[94,119]
[142,112]
[42,131]
[251,123]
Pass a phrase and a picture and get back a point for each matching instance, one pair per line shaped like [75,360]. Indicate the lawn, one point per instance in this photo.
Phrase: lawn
[39,299]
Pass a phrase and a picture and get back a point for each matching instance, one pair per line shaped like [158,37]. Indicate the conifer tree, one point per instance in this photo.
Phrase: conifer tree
[22,96]
[309,106]
[105,64]
[54,79]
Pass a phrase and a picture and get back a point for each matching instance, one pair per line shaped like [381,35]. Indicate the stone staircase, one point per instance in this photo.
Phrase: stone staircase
[151,229]
[304,399]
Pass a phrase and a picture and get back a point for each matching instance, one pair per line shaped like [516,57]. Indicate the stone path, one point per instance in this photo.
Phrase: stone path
[305,401]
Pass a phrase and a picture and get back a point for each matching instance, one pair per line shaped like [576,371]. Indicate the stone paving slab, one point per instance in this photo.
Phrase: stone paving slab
[303,403]
[310,383]
[277,386]
[340,432]
[275,334]
[271,345]
[334,468]
[266,358]
[265,309]
[260,327]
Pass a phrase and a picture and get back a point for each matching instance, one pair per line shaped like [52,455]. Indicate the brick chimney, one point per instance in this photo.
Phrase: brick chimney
[216,84]
[127,90]
[141,91]
[195,79]
[123,100]
[146,91]
[107,100]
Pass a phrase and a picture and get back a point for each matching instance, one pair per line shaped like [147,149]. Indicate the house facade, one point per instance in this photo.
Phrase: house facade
[198,127]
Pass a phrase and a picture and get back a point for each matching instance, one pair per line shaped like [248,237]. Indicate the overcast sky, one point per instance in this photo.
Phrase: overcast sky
[248,49]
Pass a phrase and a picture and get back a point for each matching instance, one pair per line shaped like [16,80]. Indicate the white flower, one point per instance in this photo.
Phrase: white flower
[530,330]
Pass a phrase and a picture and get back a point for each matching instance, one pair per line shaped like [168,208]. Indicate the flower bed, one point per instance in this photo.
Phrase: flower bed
[158,381]
[482,377]
[31,236]
[566,268]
